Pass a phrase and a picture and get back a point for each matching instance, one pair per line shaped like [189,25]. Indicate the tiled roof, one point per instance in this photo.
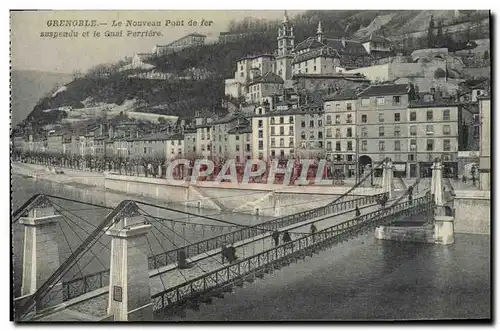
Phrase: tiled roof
[152,136]
[241,129]
[386,89]
[251,57]
[268,78]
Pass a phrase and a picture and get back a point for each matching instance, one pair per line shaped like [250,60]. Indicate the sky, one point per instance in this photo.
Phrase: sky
[31,51]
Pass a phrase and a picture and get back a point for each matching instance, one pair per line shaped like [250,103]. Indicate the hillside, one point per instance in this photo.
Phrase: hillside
[179,96]
[28,87]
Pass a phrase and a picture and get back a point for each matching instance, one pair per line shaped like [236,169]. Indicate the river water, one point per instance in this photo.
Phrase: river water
[363,279]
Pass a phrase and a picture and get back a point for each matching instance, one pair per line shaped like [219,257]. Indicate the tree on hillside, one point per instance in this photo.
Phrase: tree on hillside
[430,33]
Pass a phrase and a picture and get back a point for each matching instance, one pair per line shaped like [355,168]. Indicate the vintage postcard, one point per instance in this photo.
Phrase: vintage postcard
[250,165]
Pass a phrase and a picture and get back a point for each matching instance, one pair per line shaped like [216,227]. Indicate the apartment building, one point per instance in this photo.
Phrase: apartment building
[485,144]
[382,126]
[175,146]
[221,147]
[240,142]
[190,142]
[340,130]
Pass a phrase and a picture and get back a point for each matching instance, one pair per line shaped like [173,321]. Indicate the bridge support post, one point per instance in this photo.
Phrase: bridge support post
[41,252]
[129,286]
[444,233]
[387,174]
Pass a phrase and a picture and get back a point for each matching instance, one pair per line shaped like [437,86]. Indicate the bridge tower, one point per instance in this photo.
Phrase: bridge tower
[129,286]
[387,176]
[443,218]
[41,256]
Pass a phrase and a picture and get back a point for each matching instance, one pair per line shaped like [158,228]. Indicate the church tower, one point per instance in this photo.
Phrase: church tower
[319,33]
[286,45]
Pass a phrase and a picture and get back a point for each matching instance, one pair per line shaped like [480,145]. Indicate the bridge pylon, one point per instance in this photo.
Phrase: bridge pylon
[129,285]
[443,219]
[41,256]
[387,176]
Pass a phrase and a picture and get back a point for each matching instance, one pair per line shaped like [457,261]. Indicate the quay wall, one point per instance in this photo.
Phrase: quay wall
[472,212]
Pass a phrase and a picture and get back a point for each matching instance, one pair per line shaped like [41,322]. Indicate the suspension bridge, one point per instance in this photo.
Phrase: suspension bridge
[134,262]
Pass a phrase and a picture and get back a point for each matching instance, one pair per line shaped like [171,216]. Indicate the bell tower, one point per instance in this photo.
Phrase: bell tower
[286,45]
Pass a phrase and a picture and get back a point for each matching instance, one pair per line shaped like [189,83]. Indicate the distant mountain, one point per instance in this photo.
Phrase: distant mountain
[28,87]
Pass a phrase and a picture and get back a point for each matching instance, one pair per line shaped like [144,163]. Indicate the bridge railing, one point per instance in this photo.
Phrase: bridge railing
[88,283]
[255,266]
[170,257]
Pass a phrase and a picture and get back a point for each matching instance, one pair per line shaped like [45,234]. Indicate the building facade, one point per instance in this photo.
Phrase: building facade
[341,139]
[485,145]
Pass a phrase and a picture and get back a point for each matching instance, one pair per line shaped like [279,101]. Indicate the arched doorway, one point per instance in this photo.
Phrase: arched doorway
[365,164]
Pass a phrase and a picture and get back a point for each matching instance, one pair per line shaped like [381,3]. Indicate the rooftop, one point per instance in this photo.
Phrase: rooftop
[268,78]
[344,94]
[386,89]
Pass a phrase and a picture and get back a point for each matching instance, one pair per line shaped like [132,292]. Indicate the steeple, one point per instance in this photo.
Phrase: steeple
[285,18]
[319,32]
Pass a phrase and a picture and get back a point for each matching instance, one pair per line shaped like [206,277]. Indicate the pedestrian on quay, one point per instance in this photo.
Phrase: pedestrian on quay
[464,179]
[358,213]
[276,237]
[410,198]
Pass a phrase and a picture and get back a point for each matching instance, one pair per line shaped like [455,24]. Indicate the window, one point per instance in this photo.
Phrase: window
[282,120]
[311,135]
[273,153]
[273,142]
[430,145]
[349,145]
[397,131]
[337,146]
[380,101]
[329,133]
[290,119]
[303,135]
[273,121]
[337,133]
[365,102]
[364,145]
[145,150]
[446,145]
[328,119]
[349,158]
[261,145]
[303,124]
[282,130]
[446,130]
[320,135]
[397,145]
[413,116]
[381,145]
[413,130]
[381,117]
[290,142]
[260,123]
[349,106]
[363,118]
[446,114]
[429,115]
[290,130]
[349,118]
[364,132]
[337,119]
[337,106]
[273,131]
[314,67]
[380,131]
[237,137]
[282,142]
[202,147]
[413,145]
[248,148]
[397,117]
[260,134]
[282,153]
[349,132]
[329,146]
[429,129]
[320,123]
[173,151]
[237,148]
[396,100]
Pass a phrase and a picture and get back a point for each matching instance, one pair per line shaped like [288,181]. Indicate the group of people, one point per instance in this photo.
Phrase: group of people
[383,200]
[276,237]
